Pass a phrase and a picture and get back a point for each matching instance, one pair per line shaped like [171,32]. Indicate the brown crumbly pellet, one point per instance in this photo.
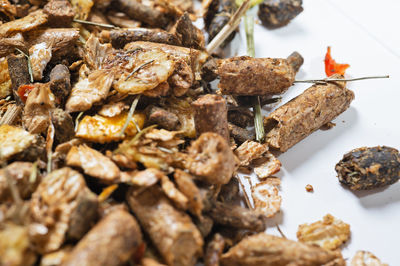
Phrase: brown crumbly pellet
[110,242]
[295,60]
[254,76]
[171,231]
[211,159]
[309,188]
[162,117]
[306,113]
[60,13]
[211,115]
[368,168]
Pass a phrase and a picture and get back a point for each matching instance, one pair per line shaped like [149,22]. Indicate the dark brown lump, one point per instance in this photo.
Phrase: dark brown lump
[60,13]
[275,14]
[162,117]
[368,168]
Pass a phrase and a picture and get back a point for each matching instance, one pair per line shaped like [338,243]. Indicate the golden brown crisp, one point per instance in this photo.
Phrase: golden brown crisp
[366,258]
[267,166]
[249,151]
[172,231]
[330,233]
[268,250]
[14,140]
[309,188]
[211,158]
[266,196]
[306,113]
[254,76]
[93,163]
[110,242]
[29,22]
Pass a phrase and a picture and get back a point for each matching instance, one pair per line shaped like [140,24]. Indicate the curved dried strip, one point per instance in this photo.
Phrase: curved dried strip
[27,23]
[93,163]
[330,233]
[96,53]
[110,242]
[268,250]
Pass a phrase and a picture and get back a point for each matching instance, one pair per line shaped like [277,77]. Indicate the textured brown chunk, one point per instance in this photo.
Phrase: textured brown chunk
[369,168]
[27,23]
[60,13]
[60,82]
[254,76]
[9,43]
[249,151]
[214,250]
[188,34]
[240,134]
[110,242]
[161,117]
[306,113]
[52,207]
[211,115]
[264,249]
[172,231]
[187,186]
[120,37]
[211,158]
[295,60]
[276,14]
[63,125]
[266,198]
[237,217]
[330,233]
[20,174]
[18,71]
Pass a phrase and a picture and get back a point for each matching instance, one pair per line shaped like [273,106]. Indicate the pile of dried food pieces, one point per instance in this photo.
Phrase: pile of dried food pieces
[116,151]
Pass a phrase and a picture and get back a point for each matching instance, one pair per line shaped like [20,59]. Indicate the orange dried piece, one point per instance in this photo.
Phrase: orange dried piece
[106,129]
[331,67]
[24,90]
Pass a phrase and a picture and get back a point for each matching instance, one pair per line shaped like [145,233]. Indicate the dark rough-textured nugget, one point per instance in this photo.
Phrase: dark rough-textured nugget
[138,11]
[255,76]
[189,34]
[60,82]
[278,13]
[211,115]
[60,13]
[211,159]
[111,242]
[18,71]
[306,113]
[295,60]
[120,37]
[369,168]
[162,117]
[268,250]
[172,231]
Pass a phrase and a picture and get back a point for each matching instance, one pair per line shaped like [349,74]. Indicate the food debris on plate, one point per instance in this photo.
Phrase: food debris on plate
[118,148]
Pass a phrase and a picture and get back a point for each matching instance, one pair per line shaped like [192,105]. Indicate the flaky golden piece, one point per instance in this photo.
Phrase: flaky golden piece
[330,233]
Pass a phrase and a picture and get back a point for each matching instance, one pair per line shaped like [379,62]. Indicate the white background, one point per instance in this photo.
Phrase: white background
[366,35]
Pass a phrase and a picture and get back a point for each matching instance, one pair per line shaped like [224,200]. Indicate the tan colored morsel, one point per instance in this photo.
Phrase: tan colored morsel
[27,23]
[93,163]
[171,231]
[255,76]
[211,158]
[268,250]
[211,115]
[186,185]
[111,242]
[330,233]
[306,113]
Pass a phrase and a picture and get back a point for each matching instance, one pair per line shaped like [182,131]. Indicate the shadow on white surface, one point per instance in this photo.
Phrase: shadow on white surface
[293,29]
[379,197]
[311,145]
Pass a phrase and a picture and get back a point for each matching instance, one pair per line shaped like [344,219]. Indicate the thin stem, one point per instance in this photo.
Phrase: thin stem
[258,119]
[228,28]
[130,114]
[108,26]
[77,120]
[326,80]
[138,68]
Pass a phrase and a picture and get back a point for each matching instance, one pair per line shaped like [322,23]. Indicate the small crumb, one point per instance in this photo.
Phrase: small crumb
[309,188]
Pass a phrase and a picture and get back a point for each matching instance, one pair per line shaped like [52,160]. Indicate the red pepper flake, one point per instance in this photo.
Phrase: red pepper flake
[24,90]
[331,67]
[139,254]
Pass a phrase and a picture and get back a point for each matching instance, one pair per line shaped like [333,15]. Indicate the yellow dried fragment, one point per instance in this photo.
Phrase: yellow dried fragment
[5,80]
[106,129]
[330,233]
[366,258]
[13,140]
